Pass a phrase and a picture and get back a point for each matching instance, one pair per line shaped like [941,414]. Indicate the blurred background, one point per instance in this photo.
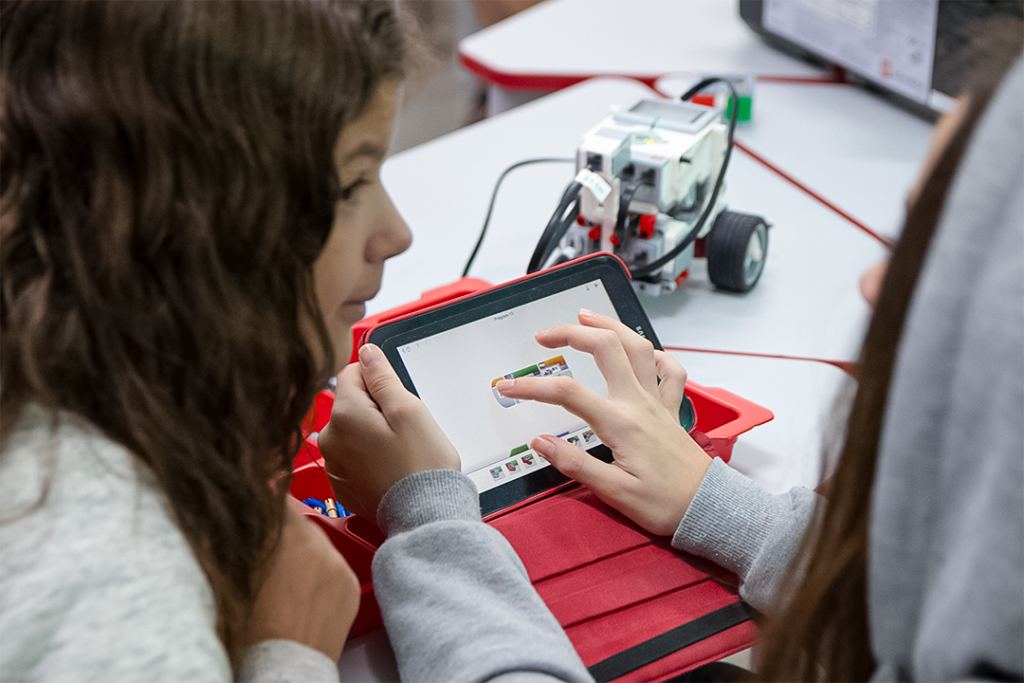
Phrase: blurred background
[441,96]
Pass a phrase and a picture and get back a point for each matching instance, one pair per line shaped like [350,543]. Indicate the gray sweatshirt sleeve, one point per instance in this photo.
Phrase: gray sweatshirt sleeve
[97,583]
[456,600]
[740,526]
[284,661]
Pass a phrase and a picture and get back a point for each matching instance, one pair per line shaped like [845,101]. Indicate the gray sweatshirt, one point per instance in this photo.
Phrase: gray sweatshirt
[98,584]
[946,543]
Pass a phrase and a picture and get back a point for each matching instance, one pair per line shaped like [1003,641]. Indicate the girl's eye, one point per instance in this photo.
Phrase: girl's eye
[348,193]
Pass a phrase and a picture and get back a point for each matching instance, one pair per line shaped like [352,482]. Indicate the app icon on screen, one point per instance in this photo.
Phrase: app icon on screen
[553,367]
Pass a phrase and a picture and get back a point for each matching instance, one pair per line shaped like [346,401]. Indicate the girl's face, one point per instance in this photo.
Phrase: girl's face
[367,229]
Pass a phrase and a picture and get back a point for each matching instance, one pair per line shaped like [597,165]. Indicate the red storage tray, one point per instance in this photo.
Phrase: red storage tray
[589,581]
[721,415]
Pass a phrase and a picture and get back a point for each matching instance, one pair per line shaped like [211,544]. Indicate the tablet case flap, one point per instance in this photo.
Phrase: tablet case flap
[614,587]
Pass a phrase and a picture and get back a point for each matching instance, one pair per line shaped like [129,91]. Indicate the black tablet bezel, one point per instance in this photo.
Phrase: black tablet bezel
[615,278]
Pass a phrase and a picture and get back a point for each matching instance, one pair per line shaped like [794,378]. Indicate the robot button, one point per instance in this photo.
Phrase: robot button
[647,222]
[595,233]
[614,239]
[580,220]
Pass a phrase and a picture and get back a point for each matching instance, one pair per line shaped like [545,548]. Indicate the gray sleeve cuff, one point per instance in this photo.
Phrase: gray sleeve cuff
[429,496]
[728,520]
[744,528]
[286,661]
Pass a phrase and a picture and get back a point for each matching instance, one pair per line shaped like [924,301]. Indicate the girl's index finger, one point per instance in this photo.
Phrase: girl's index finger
[639,350]
[604,345]
[557,391]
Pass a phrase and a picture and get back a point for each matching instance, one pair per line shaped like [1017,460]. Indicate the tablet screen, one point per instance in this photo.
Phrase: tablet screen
[455,371]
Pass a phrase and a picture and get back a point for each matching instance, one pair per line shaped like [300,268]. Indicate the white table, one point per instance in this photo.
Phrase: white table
[807,303]
[561,42]
[843,141]
[803,395]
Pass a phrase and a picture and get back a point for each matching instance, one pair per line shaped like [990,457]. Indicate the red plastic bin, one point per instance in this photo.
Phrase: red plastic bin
[721,415]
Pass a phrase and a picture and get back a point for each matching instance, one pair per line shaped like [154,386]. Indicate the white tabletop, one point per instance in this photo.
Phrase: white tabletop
[639,38]
[807,303]
[368,658]
[848,144]
[787,451]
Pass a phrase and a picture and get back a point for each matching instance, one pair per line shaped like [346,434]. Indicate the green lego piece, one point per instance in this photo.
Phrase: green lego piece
[745,110]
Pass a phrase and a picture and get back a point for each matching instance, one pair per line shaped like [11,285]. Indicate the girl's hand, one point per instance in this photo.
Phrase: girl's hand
[309,594]
[378,434]
[657,467]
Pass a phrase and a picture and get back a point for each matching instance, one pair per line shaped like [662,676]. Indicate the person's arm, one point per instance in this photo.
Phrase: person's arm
[660,478]
[737,524]
[304,609]
[97,582]
[456,600]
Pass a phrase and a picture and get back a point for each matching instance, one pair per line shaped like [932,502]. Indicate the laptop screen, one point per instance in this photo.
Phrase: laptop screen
[890,42]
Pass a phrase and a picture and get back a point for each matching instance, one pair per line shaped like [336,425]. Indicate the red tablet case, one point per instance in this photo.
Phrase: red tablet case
[626,599]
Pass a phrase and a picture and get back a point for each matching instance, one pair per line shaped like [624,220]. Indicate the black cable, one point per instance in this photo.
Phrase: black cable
[656,264]
[624,202]
[557,226]
[562,219]
[494,196]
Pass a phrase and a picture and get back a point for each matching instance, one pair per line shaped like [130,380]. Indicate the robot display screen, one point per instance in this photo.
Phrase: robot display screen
[455,373]
[668,110]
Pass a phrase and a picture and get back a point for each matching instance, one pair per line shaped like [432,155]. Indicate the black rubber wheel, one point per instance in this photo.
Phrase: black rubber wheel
[736,249]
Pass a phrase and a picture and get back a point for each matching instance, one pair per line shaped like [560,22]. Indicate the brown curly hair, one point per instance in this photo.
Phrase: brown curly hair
[167,184]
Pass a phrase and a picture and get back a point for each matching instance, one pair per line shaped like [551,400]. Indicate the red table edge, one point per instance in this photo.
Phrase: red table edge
[552,82]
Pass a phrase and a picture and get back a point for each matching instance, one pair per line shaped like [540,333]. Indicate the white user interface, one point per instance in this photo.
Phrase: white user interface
[891,42]
[455,372]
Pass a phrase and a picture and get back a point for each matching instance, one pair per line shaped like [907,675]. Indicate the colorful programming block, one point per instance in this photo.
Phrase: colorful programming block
[552,367]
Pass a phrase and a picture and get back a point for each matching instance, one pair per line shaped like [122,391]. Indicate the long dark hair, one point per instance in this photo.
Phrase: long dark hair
[823,631]
[167,184]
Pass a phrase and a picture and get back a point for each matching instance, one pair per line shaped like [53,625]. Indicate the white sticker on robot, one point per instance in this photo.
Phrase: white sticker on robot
[595,183]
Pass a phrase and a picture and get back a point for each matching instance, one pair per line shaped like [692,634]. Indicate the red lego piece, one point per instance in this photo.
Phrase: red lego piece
[647,222]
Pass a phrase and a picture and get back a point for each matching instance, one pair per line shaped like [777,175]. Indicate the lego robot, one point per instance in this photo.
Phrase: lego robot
[648,189]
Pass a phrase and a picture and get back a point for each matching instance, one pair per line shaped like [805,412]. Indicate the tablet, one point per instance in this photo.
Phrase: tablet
[452,356]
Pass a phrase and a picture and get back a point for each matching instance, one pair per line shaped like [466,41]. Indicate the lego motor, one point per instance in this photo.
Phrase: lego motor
[649,190]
